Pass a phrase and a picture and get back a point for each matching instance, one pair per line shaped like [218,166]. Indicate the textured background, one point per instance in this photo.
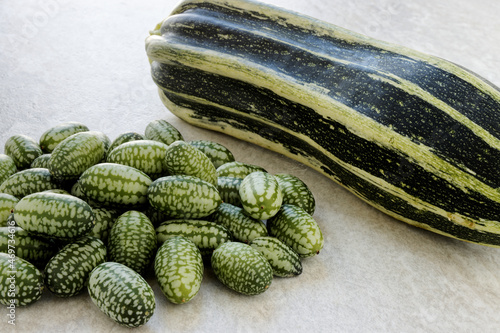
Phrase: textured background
[64,60]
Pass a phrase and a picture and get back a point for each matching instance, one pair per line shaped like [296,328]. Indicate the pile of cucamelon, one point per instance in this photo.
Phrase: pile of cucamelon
[80,211]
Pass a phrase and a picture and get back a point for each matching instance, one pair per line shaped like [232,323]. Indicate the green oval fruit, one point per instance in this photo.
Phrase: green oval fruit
[41,161]
[216,152]
[242,227]
[56,134]
[21,283]
[23,150]
[184,159]
[122,294]
[297,229]
[7,204]
[125,137]
[54,215]
[295,192]
[237,169]
[229,189]
[146,155]
[7,167]
[184,196]
[132,241]
[284,261]
[178,268]
[242,268]
[75,154]
[104,220]
[115,185]
[29,181]
[260,195]
[67,272]
[162,131]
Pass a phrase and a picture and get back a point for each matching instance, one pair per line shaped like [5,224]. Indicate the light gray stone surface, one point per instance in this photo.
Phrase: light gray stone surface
[64,60]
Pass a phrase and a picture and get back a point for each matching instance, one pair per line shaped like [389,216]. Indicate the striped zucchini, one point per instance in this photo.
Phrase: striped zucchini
[132,241]
[217,153]
[260,195]
[67,272]
[162,131]
[22,149]
[242,268]
[284,261]
[122,294]
[29,181]
[7,167]
[237,169]
[53,215]
[413,135]
[56,134]
[178,268]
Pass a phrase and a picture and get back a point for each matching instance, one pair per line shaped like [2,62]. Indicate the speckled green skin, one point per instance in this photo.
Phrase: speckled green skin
[41,161]
[206,235]
[296,192]
[56,134]
[115,185]
[23,150]
[125,137]
[122,294]
[67,272]
[260,195]
[182,196]
[178,269]
[53,215]
[7,204]
[104,220]
[229,188]
[297,229]
[242,227]
[132,241]
[237,169]
[162,131]
[75,154]
[34,249]
[25,278]
[184,159]
[284,261]
[216,152]
[149,156]
[7,167]
[242,268]
[29,181]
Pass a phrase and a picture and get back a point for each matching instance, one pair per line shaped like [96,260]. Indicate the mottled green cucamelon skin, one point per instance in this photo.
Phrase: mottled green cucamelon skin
[132,241]
[34,249]
[21,283]
[181,196]
[237,169]
[242,227]
[29,181]
[184,159]
[115,185]
[297,229]
[178,269]
[56,134]
[7,167]
[162,131]
[206,235]
[242,268]
[284,261]
[41,161]
[229,189]
[296,192]
[149,156]
[67,272]
[53,215]
[104,220]
[260,195]
[125,137]
[122,294]
[216,152]
[75,154]
[23,150]
[414,135]
[7,204]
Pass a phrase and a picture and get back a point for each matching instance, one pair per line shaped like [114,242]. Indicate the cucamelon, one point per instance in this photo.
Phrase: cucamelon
[115,185]
[229,189]
[296,228]
[104,220]
[125,137]
[7,204]
[216,152]
[67,272]
[296,192]
[238,169]
[22,149]
[122,294]
[53,215]
[284,261]
[29,181]
[7,167]
[56,134]
[180,196]
[242,268]
[21,283]
[260,195]
[132,241]
[162,131]
[41,161]
[178,269]
[414,135]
